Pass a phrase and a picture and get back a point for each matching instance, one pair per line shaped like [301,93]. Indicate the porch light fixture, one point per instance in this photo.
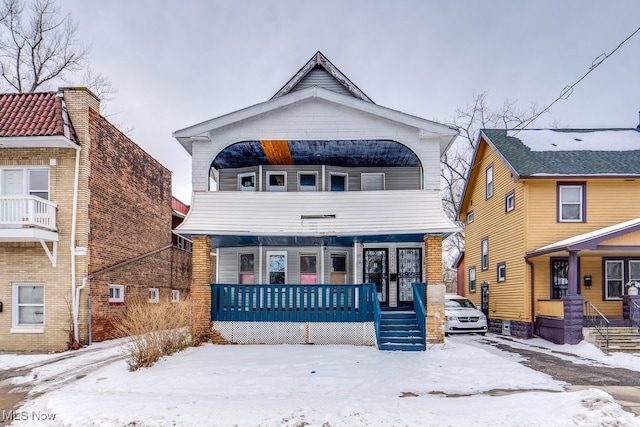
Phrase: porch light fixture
[587,281]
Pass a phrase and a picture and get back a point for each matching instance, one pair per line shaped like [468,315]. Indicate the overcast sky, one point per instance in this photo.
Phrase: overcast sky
[178,63]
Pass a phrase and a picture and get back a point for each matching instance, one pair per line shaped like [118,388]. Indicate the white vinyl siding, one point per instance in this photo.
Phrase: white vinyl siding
[356,213]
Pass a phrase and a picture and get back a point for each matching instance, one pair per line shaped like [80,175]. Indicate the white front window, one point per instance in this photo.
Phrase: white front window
[175,295]
[28,305]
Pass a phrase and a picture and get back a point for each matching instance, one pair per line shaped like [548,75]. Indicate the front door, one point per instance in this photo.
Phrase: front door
[484,299]
[376,268]
[409,271]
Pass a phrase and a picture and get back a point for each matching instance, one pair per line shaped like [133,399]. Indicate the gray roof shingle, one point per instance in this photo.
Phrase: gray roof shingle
[527,162]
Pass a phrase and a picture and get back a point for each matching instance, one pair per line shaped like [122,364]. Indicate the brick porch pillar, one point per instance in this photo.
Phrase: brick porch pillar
[435,288]
[201,288]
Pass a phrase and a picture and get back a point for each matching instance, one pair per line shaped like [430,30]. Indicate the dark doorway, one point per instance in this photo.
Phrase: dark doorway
[484,299]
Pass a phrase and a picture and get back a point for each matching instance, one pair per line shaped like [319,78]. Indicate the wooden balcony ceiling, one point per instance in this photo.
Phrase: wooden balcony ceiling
[348,153]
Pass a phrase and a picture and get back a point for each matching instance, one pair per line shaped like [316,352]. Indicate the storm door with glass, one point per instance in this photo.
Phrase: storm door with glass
[376,268]
[409,271]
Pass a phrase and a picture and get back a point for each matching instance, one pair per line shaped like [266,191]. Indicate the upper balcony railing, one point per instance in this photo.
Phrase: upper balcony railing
[27,211]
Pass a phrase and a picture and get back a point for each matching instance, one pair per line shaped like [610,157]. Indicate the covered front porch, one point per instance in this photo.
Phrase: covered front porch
[587,282]
[317,314]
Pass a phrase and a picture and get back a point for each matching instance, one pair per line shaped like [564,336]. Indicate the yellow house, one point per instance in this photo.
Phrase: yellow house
[552,229]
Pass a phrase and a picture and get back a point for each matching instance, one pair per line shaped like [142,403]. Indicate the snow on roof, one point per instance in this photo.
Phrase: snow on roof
[578,140]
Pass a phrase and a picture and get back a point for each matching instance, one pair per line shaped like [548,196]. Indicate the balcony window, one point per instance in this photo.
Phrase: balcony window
[338,182]
[307,181]
[277,181]
[372,181]
[247,182]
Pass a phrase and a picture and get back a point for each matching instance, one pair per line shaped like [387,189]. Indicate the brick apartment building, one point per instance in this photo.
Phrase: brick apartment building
[85,222]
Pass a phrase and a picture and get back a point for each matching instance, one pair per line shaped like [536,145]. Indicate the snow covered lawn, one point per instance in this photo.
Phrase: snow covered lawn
[461,383]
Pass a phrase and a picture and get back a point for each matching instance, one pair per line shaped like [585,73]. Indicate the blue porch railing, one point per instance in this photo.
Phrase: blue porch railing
[293,303]
[419,299]
[376,313]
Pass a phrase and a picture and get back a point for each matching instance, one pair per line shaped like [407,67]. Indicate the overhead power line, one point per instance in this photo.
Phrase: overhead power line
[568,90]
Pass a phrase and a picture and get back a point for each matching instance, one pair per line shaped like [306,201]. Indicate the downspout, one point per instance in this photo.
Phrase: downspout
[72,247]
[533,307]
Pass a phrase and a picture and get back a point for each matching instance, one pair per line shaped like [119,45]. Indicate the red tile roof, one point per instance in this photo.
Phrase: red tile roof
[32,114]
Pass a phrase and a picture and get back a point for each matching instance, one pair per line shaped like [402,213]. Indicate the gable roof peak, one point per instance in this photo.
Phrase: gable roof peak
[319,71]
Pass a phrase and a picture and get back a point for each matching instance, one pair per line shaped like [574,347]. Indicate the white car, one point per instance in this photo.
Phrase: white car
[462,317]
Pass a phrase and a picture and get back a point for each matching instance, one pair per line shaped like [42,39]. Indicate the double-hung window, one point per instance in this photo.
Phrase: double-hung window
[472,279]
[488,174]
[614,279]
[571,202]
[308,269]
[246,267]
[484,253]
[28,307]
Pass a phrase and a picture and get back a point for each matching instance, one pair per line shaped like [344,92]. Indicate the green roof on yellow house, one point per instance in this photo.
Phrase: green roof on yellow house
[568,152]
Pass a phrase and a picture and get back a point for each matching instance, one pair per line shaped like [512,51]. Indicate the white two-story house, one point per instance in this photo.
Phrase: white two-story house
[319,186]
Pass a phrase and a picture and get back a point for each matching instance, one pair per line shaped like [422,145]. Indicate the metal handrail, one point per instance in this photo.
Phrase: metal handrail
[634,314]
[377,311]
[597,320]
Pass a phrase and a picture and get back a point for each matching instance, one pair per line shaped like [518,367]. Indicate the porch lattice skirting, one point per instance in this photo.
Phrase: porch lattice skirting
[350,333]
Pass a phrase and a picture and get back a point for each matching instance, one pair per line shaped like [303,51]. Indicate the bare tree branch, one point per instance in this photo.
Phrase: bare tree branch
[457,160]
[39,48]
